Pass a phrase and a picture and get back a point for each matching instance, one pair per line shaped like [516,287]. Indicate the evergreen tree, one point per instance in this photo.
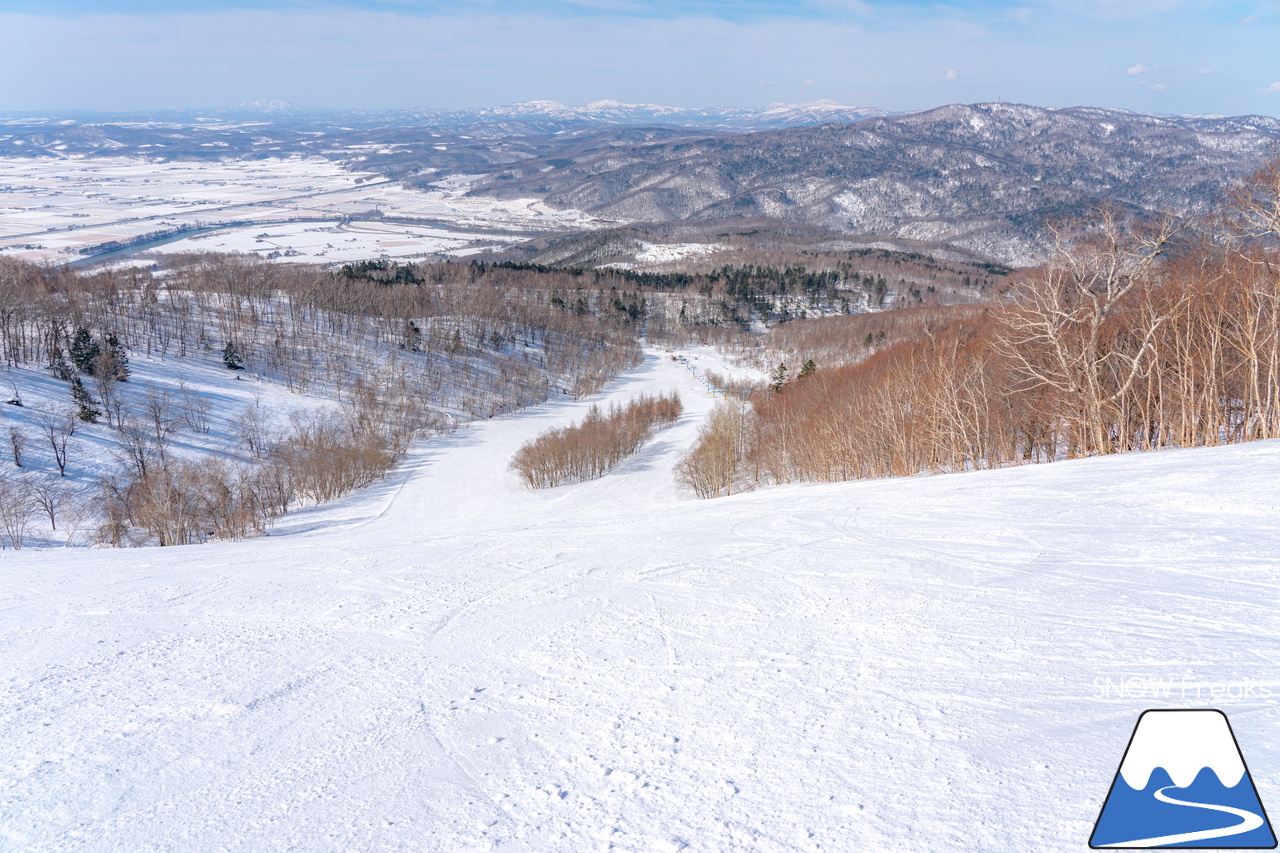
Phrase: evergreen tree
[59,366]
[412,337]
[88,411]
[779,378]
[231,357]
[84,351]
[114,360]
[807,369]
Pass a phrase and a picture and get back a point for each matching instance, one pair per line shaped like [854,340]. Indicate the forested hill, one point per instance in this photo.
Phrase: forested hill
[986,177]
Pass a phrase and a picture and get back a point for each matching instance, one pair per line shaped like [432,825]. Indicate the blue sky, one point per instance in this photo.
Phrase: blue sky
[1176,56]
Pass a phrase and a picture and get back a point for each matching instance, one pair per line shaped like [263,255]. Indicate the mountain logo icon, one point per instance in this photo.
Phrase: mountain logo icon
[1183,783]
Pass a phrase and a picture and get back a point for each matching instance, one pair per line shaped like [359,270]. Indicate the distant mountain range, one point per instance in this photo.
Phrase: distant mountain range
[530,116]
[613,113]
[984,178]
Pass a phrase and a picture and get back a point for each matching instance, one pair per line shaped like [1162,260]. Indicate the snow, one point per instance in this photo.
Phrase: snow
[655,254]
[332,242]
[55,208]
[92,453]
[448,661]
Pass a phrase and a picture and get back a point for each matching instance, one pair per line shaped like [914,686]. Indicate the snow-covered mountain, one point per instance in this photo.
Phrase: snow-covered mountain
[608,112]
[274,106]
[986,177]
[531,116]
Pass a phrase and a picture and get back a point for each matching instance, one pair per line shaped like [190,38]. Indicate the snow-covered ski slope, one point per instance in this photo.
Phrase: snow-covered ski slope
[449,662]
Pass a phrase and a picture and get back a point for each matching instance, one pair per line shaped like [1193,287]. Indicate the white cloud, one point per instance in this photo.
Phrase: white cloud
[1274,87]
[951,74]
[1207,71]
[1139,68]
[810,82]
[1159,87]
[1251,19]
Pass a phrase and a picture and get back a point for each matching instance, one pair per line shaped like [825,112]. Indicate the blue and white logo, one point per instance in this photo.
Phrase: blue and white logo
[1183,783]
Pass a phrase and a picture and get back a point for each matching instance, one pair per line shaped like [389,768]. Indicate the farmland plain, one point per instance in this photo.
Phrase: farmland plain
[66,210]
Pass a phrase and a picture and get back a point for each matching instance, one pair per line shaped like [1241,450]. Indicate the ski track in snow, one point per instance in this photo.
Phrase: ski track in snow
[451,662]
[1248,822]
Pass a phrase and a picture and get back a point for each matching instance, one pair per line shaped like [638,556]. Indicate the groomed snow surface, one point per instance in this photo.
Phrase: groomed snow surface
[449,662]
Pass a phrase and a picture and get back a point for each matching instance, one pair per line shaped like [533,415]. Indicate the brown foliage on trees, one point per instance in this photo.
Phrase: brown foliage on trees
[587,451]
[184,503]
[1135,336]
[717,464]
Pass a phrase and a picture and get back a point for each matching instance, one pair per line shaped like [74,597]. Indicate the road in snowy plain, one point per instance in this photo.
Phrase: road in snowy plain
[451,662]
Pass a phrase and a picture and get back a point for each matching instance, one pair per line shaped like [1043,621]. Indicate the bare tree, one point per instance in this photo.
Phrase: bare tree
[587,451]
[15,512]
[194,409]
[158,407]
[162,419]
[18,443]
[48,496]
[137,449]
[112,401]
[1255,204]
[256,431]
[1060,332]
[715,464]
[76,511]
[57,428]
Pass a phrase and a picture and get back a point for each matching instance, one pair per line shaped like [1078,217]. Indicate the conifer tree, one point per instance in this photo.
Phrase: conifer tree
[115,360]
[84,351]
[779,378]
[59,366]
[87,410]
[231,357]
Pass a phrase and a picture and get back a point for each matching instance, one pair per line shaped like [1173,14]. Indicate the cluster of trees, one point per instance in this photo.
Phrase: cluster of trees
[403,354]
[315,329]
[318,457]
[24,499]
[840,340]
[717,465]
[1135,336]
[588,450]
[706,300]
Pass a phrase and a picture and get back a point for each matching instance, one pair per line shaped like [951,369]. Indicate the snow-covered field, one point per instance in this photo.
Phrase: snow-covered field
[656,254]
[330,242]
[451,662]
[51,209]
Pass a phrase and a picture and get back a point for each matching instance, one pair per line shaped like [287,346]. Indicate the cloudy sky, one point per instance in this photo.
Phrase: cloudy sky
[1175,56]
